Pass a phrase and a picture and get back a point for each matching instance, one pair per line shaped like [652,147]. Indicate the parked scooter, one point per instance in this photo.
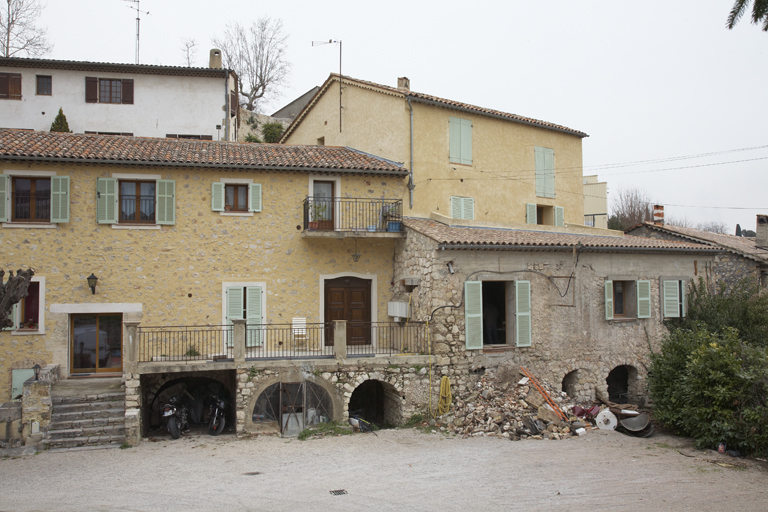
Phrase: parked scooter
[176,417]
[218,409]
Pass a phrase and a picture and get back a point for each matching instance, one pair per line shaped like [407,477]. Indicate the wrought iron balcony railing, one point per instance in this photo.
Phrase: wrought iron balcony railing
[353,214]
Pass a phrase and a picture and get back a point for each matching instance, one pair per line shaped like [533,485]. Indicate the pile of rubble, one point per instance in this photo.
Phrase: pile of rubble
[508,406]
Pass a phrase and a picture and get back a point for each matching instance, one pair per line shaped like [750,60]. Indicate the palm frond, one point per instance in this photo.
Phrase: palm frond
[737,11]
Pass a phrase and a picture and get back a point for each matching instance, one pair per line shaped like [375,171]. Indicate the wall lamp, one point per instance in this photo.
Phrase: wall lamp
[36,368]
[92,280]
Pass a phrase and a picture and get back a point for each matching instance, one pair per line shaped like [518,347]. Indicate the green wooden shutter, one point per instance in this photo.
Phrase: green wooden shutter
[217,197]
[467,208]
[106,200]
[59,199]
[473,315]
[454,139]
[466,142]
[234,307]
[643,299]
[538,158]
[682,298]
[559,216]
[254,191]
[608,300]
[530,213]
[14,317]
[253,319]
[671,291]
[549,172]
[5,197]
[166,202]
[456,210]
[523,313]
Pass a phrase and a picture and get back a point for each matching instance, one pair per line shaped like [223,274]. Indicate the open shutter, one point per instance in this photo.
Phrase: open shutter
[5,197]
[59,199]
[538,158]
[466,142]
[473,315]
[254,203]
[468,208]
[523,313]
[608,300]
[106,200]
[454,139]
[456,210]
[166,202]
[217,197]
[530,213]
[643,299]
[549,172]
[253,320]
[234,308]
[559,216]
[127,91]
[91,89]
[671,290]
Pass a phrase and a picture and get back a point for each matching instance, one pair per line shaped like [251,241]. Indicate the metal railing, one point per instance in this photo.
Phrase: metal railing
[31,206]
[288,341]
[387,338]
[185,343]
[353,214]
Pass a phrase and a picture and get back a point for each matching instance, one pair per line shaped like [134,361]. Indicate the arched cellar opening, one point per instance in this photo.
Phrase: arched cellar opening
[290,407]
[623,385]
[377,402]
[571,384]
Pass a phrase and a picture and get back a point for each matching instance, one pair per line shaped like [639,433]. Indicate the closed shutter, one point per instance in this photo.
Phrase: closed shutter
[609,300]
[671,290]
[473,315]
[166,202]
[454,139]
[254,203]
[456,210]
[106,200]
[5,85]
[523,313]
[466,142]
[549,172]
[127,91]
[14,86]
[643,299]
[559,216]
[5,197]
[59,199]
[467,208]
[233,104]
[91,89]
[253,320]
[530,213]
[217,197]
[538,158]
[234,308]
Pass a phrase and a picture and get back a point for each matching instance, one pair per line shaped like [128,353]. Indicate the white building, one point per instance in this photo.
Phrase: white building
[120,99]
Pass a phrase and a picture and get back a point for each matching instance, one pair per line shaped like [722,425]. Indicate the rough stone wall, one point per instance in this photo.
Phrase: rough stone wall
[37,404]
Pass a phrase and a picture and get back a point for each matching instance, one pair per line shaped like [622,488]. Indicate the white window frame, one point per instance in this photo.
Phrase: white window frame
[128,176]
[627,300]
[336,193]
[29,174]
[239,181]
[40,315]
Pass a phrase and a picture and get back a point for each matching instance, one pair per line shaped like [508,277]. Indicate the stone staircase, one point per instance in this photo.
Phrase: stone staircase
[90,412]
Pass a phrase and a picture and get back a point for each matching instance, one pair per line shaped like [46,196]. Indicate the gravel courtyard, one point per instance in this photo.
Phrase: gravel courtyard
[398,470]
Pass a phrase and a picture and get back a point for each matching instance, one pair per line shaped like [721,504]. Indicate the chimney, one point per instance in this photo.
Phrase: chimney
[214,62]
[658,214]
[761,240]
[404,84]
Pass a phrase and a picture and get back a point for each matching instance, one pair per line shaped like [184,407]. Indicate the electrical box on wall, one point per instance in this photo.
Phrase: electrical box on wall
[398,310]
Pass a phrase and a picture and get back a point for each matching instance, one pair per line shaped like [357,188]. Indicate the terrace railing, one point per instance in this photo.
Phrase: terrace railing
[288,341]
[388,338]
[353,214]
[184,343]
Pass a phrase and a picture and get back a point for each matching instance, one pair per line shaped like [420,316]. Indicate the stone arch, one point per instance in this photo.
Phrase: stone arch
[624,384]
[378,402]
[579,385]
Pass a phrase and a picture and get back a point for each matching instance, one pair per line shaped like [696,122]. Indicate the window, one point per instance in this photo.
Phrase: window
[96,343]
[44,85]
[28,315]
[460,140]
[191,137]
[124,134]
[544,159]
[39,198]
[321,141]
[462,208]
[673,298]
[18,378]
[544,215]
[494,311]
[135,200]
[237,196]
[108,90]
[10,86]
[627,299]
[244,301]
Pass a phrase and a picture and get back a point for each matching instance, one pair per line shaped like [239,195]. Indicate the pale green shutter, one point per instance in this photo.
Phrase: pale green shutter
[466,142]
[106,200]
[217,197]
[454,139]
[467,208]
[234,307]
[523,313]
[456,210]
[682,298]
[608,300]
[253,319]
[671,290]
[254,191]
[538,157]
[473,315]
[559,216]
[530,213]
[643,299]
[59,199]
[5,197]
[14,317]
[549,172]
[18,378]
[166,202]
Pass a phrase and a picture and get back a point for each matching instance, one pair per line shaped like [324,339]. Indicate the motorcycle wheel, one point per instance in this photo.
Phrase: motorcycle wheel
[216,425]
[173,427]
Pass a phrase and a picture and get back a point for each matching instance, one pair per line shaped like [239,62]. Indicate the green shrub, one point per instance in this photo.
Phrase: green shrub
[272,132]
[252,138]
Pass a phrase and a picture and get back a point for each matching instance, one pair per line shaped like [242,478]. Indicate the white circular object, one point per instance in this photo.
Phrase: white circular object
[606,420]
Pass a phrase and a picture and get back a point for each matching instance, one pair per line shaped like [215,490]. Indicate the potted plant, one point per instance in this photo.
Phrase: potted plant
[320,217]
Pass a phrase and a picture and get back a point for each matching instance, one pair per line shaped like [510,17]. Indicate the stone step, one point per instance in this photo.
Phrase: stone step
[118,419]
[102,397]
[88,406]
[105,430]
[58,416]
[74,442]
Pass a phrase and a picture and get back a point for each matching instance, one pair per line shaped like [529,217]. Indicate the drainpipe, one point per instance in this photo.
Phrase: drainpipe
[227,107]
[411,186]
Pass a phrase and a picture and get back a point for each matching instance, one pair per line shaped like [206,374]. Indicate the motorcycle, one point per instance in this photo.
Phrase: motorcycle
[176,417]
[217,414]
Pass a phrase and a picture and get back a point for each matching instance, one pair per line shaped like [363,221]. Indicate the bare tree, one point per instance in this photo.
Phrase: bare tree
[189,50]
[11,292]
[18,34]
[630,207]
[713,227]
[681,222]
[257,55]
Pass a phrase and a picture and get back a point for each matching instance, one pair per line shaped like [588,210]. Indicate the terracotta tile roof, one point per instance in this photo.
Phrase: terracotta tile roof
[71,147]
[491,238]
[111,67]
[744,246]
[428,98]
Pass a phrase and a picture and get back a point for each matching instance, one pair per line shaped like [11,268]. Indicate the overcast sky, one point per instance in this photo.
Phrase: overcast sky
[648,81]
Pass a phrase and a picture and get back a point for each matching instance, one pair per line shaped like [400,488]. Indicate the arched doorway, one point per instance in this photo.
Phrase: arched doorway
[377,402]
[193,392]
[622,384]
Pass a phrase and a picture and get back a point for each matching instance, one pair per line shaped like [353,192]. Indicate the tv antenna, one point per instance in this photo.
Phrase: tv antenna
[331,41]
[139,12]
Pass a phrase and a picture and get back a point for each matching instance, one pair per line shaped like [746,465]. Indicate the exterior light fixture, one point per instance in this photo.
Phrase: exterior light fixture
[36,368]
[92,280]
[356,257]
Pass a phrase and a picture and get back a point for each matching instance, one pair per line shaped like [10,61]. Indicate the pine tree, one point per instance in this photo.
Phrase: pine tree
[60,123]
[738,230]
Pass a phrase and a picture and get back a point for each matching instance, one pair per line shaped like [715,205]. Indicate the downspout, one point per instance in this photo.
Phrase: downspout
[227,107]
[411,186]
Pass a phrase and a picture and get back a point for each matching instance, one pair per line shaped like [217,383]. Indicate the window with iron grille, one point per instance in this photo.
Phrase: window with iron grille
[137,201]
[31,199]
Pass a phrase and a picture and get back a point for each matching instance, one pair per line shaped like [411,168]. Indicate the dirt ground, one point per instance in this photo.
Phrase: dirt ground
[398,470]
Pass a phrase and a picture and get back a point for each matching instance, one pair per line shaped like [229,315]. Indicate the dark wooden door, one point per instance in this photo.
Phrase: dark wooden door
[349,298]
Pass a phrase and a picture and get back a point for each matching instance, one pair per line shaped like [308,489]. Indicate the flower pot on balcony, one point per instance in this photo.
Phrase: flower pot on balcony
[393,226]
[313,225]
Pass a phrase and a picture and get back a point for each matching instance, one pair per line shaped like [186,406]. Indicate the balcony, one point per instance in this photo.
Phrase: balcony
[337,217]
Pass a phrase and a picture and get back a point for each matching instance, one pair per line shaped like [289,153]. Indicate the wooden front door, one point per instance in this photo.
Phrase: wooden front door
[349,298]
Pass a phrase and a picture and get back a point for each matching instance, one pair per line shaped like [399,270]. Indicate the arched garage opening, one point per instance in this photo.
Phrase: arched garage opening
[623,384]
[290,407]
[377,402]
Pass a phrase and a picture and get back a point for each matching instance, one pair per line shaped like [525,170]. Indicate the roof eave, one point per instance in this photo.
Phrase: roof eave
[500,247]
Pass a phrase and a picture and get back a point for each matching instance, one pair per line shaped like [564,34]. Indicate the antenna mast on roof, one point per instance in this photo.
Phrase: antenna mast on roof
[138,22]
[331,41]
